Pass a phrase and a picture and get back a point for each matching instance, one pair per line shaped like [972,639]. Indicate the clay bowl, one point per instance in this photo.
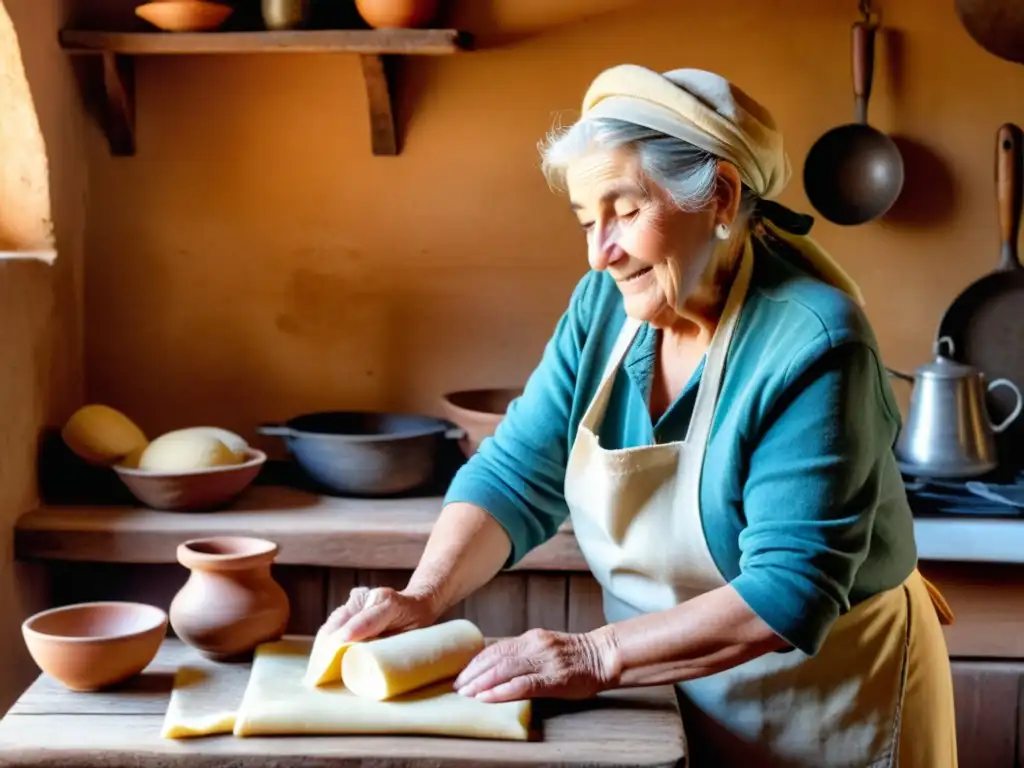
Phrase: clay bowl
[397,14]
[478,412]
[185,15]
[197,491]
[90,646]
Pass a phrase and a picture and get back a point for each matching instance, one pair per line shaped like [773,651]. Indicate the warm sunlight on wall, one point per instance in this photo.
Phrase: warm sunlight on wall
[25,220]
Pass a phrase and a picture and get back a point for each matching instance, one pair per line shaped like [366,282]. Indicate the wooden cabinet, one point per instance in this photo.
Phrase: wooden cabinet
[988,697]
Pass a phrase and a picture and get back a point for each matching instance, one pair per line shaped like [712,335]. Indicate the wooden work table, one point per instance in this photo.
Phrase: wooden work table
[51,726]
[118,551]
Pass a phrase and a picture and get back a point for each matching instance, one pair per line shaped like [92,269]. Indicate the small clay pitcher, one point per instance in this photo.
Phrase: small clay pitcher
[230,603]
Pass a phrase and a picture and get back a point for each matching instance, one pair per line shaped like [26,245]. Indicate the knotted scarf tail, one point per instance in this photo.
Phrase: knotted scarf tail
[774,221]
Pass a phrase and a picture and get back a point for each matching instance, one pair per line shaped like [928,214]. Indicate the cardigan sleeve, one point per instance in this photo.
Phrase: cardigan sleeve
[517,475]
[815,476]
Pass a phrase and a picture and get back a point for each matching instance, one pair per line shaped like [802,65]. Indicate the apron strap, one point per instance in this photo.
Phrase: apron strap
[595,411]
[714,365]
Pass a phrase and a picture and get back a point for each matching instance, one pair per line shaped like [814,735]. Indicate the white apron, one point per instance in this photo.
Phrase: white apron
[879,692]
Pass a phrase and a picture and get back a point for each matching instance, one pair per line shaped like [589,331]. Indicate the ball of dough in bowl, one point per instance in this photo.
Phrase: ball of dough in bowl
[101,435]
[186,453]
[236,443]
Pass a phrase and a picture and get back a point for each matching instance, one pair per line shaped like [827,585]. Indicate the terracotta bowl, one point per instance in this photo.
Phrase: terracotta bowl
[90,646]
[478,412]
[185,15]
[397,14]
[197,491]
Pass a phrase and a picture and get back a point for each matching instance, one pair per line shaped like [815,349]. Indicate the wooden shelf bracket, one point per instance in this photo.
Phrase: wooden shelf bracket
[119,87]
[377,74]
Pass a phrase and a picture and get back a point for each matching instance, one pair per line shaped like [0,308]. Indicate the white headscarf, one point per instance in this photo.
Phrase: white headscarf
[711,113]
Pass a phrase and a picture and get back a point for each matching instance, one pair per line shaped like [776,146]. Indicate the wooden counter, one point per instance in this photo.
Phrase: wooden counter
[310,529]
[333,532]
[50,726]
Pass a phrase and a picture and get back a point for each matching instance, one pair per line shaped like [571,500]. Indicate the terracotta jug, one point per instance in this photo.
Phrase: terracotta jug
[397,13]
[230,603]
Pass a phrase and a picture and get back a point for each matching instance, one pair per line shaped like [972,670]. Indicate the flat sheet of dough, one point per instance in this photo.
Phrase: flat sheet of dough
[204,700]
[278,701]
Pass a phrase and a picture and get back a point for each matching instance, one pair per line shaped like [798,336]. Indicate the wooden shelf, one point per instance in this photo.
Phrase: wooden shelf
[373,47]
[310,529]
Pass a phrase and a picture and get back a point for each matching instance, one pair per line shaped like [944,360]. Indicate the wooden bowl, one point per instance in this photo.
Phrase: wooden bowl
[478,412]
[90,646]
[185,15]
[196,491]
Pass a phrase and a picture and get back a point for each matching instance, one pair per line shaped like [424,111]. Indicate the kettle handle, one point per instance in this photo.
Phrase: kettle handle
[997,428]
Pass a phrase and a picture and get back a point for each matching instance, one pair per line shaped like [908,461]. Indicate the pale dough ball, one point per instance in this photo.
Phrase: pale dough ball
[186,453]
[101,435]
[234,442]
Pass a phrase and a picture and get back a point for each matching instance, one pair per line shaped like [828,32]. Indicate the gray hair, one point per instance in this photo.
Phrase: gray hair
[687,173]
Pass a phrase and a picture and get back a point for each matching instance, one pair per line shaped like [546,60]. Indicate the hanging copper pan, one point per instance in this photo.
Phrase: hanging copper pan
[996,25]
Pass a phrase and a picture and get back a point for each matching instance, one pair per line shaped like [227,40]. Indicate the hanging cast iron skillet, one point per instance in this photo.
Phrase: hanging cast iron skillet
[995,25]
[986,321]
[854,173]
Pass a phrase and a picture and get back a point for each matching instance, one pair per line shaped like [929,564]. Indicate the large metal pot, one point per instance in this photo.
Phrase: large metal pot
[365,453]
[948,434]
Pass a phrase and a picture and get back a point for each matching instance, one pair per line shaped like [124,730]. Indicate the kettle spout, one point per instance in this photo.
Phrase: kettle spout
[899,374]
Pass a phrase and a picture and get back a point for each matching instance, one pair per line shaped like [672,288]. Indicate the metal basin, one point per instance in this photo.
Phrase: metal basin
[365,453]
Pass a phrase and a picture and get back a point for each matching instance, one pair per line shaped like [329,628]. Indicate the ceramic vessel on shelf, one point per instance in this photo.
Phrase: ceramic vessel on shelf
[285,14]
[91,646]
[230,603]
[200,490]
[185,15]
[383,14]
[478,412]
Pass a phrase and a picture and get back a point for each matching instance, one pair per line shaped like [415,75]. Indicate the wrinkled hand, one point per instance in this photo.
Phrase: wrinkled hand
[540,663]
[370,613]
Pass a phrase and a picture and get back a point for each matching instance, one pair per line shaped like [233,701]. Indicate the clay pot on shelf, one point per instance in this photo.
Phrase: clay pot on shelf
[383,14]
[230,603]
[478,412]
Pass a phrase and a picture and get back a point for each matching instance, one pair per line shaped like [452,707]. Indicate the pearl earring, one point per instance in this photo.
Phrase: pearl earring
[722,231]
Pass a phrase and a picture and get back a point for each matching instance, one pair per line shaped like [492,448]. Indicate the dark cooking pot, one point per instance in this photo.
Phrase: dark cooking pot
[365,453]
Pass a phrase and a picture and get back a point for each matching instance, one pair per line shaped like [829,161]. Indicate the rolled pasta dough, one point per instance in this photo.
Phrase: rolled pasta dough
[279,701]
[389,666]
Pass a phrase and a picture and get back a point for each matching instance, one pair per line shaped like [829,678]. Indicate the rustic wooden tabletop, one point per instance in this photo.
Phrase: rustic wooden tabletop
[51,726]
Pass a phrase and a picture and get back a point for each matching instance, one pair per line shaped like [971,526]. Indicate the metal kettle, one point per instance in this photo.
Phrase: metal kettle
[948,433]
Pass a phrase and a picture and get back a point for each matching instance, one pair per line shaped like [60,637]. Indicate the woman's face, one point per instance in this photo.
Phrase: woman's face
[656,252]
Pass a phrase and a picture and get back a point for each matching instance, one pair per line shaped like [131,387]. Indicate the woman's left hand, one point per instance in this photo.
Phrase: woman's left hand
[540,663]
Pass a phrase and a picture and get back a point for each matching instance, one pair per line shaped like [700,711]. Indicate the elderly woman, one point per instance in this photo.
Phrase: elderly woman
[713,415]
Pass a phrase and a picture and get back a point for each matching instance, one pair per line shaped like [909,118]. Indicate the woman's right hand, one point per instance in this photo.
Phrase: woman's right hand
[370,613]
